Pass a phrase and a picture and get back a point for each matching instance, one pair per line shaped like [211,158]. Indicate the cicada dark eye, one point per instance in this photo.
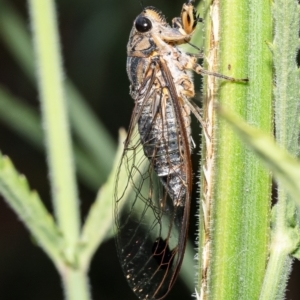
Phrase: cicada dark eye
[142,24]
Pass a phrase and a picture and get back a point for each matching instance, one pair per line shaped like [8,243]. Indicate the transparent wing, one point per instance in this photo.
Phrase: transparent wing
[153,184]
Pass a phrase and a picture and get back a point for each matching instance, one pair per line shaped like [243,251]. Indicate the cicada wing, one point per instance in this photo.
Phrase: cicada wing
[147,234]
[151,229]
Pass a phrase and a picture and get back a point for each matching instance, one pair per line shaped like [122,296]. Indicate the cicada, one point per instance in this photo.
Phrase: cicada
[151,230]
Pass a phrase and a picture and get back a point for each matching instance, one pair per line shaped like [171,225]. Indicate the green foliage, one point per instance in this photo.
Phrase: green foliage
[30,209]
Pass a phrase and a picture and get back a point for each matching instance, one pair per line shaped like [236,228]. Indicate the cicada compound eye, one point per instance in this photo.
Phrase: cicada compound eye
[143,24]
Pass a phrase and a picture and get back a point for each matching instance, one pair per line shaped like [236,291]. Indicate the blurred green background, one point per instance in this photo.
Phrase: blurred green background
[93,34]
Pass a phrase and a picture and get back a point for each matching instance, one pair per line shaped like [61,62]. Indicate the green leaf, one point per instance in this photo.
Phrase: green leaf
[99,222]
[30,209]
[284,166]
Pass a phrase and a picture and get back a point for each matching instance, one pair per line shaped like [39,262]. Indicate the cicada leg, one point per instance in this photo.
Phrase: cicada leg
[199,70]
[188,19]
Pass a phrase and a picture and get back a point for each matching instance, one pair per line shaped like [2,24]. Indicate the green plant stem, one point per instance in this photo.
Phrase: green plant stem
[285,237]
[241,186]
[58,142]
[279,268]
[287,93]
[55,120]
[286,234]
[75,283]
[284,241]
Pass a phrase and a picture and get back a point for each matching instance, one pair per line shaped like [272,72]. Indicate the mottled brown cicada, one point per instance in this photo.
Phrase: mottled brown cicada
[152,228]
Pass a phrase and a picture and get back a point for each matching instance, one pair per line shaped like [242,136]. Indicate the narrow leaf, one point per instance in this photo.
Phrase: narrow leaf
[285,167]
[30,209]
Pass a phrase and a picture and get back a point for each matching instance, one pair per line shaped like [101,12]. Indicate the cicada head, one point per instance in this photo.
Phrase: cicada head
[147,27]
[151,32]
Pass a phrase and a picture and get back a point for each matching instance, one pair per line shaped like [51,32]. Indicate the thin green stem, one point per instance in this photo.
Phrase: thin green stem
[285,237]
[75,283]
[279,267]
[58,142]
[55,120]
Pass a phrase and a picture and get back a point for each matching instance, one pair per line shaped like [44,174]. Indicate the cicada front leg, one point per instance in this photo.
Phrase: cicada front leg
[188,19]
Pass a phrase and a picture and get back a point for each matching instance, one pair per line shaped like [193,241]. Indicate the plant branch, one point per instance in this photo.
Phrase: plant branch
[55,119]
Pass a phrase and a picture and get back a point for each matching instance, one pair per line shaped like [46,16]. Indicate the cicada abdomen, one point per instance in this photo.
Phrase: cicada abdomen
[166,149]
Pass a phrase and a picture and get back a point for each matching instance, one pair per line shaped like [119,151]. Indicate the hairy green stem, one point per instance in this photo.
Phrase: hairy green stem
[285,237]
[55,119]
[238,222]
[58,143]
